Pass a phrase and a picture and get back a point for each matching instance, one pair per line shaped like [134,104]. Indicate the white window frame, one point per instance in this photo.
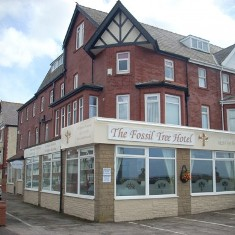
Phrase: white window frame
[80,36]
[147,159]
[32,161]
[34,109]
[118,70]
[54,158]
[179,108]
[202,81]
[36,136]
[75,107]
[42,103]
[62,117]
[90,153]
[157,102]
[46,132]
[214,158]
[29,138]
[9,173]
[229,119]
[225,83]
[207,115]
[169,65]
[51,96]
[81,109]
[118,103]
[61,90]
[75,81]
[91,106]
[57,121]
[69,115]
[21,117]
[27,114]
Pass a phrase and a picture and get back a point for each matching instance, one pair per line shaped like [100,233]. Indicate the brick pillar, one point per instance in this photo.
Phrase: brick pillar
[104,192]
[184,200]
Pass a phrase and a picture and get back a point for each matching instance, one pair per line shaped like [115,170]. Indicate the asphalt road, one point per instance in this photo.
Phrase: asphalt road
[26,219]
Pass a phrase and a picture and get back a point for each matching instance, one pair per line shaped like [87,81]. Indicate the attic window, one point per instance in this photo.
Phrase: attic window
[196,43]
[56,63]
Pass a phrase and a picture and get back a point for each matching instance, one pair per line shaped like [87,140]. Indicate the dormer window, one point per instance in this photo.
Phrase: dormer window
[196,43]
[56,63]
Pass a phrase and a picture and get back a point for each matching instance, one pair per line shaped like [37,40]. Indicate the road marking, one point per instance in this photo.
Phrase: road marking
[19,220]
[161,229]
[221,213]
[206,222]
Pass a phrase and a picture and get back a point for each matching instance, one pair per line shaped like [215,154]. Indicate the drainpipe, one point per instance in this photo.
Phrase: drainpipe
[187,95]
[222,98]
[61,182]
[92,71]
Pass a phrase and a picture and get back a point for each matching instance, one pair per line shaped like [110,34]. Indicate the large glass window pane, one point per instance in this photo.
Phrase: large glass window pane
[231,119]
[123,107]
[202,176]
[161,176]
[87,176]
[130,176]
[172,110]
[93,106]
[152,113]
[72,172]
[201,171]
[46,184]
[72,176]
[225,179]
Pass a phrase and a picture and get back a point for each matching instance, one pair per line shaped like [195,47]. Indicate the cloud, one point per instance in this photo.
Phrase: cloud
[32,30]
[19,50]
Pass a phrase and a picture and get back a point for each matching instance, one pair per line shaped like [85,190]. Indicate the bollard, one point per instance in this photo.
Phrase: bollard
[2,213]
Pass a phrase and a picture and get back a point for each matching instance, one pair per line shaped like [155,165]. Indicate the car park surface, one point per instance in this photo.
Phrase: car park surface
[23,218]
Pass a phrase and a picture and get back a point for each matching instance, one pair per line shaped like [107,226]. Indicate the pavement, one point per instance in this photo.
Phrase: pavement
[26,219]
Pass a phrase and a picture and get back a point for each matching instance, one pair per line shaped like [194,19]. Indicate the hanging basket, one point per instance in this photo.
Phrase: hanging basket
[185,175]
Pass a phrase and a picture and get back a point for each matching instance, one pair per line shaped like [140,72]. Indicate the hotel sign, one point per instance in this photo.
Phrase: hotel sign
[151,135]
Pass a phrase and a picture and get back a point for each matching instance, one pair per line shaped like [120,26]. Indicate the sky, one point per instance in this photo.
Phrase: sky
[32,32]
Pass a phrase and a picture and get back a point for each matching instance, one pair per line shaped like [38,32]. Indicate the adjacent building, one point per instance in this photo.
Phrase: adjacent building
[131,122]
[9,176]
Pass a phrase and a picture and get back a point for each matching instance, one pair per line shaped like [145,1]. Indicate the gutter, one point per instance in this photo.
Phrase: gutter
[222,98]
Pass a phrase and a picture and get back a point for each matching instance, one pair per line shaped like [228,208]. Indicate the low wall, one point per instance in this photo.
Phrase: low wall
[126,210]
[212,203]
[79,207]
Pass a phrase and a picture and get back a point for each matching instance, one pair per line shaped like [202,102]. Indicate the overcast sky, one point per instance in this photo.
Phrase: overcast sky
[32,32]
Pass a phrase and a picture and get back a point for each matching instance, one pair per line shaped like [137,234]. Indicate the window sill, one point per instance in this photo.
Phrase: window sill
[50,192]
[79,196]
[31,189]
[119,198]
[212,193]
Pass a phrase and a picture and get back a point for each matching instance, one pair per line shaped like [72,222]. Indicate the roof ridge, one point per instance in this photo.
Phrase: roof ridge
[92,9]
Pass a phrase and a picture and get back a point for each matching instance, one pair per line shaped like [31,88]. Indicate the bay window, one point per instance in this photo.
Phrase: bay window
[172,110]
[152,108]
[93,106]
[80,109]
